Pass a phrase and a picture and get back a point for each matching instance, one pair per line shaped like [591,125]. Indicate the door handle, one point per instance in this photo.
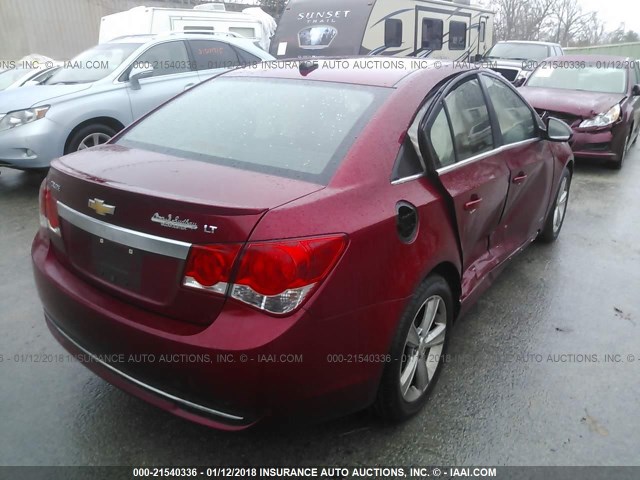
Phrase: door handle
[472,204]
[187,87]
[521,178]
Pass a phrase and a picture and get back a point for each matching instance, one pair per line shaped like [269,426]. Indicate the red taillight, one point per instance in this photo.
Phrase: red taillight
[275,267]
[273,276]
[48,209]
[209,266]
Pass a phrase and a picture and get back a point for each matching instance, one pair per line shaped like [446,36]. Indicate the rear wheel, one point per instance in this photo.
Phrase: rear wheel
[555,219]
[90,136]
[417,351]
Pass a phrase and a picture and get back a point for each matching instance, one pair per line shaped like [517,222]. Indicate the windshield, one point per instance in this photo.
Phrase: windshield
[518,51]
[589,78]
[292,128]
[93,64]
[8,77]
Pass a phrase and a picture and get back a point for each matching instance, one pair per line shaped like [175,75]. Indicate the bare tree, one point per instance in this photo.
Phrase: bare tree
[522,19]
[572,22]
[560,21]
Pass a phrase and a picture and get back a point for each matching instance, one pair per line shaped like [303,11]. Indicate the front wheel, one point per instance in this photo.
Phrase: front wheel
[417,352]
[90,136]
[556,216]
[622,155]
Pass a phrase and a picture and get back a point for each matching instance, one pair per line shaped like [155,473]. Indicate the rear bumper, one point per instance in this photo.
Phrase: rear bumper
[602,144]
[229,375]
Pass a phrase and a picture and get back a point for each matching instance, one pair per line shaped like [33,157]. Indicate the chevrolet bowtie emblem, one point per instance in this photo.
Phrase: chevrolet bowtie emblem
[100,207]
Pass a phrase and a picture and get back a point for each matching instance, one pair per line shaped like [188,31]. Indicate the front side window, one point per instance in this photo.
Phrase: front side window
[470,122]
[514,117]
[292,128]
[431,34]
[211,54]
[166,59]
[457,36]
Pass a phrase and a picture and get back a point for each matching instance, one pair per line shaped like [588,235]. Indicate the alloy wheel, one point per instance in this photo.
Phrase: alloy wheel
[93,140]
[561,205]
[423,348]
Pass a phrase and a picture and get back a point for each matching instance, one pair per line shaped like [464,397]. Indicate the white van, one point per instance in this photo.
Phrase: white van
[152,20]
[421,28]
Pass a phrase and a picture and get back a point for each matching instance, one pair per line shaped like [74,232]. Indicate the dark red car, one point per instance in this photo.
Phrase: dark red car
[598,96]
[295,241]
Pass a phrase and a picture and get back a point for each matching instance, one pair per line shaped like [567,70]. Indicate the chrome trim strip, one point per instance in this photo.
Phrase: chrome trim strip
[124,236]
[158,392]
[481,156]
[400,181]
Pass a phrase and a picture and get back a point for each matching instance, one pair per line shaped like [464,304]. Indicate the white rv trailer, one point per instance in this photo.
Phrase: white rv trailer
[151,20]
[421,28]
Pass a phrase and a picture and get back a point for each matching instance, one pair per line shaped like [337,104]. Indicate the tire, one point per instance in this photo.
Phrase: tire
[87,136]
[622,155]
[432,301]
[557,214]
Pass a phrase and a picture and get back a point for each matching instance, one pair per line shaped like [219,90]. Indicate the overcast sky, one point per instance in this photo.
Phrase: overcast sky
[615,12]
[612,12]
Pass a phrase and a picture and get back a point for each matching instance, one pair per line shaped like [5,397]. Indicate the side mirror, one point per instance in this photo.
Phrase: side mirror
[138,73]
[518,82]
[478,58]
[557,130]
[636,90]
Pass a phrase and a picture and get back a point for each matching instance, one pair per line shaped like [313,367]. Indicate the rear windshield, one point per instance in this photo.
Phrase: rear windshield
[293,128]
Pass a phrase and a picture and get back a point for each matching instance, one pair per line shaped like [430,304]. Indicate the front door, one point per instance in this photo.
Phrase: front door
[530,162]
[173,74]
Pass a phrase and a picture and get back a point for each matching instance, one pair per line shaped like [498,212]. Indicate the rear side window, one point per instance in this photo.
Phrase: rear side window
[393,32]
[247,58]
[211,54]
[431,34]
[514,116]
[457,36]
[470,122]
[441,141]
[292,128]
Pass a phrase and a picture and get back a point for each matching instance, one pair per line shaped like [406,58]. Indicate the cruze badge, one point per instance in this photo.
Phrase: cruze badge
[100,207]
[176,222]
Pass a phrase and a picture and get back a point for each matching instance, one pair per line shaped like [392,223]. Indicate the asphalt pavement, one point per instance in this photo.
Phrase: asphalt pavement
[544,370]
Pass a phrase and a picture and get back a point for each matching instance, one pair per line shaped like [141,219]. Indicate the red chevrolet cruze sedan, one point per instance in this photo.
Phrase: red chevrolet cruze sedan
[295,241]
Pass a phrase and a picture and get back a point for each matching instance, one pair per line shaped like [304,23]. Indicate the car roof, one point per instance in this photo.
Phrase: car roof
[152,37]
[531,42]
[371,71]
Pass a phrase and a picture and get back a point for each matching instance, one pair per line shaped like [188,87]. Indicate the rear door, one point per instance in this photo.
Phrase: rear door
[173,74]
[530,163]
[461,139]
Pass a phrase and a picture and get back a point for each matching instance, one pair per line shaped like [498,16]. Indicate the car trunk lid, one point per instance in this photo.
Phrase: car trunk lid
[129,218]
